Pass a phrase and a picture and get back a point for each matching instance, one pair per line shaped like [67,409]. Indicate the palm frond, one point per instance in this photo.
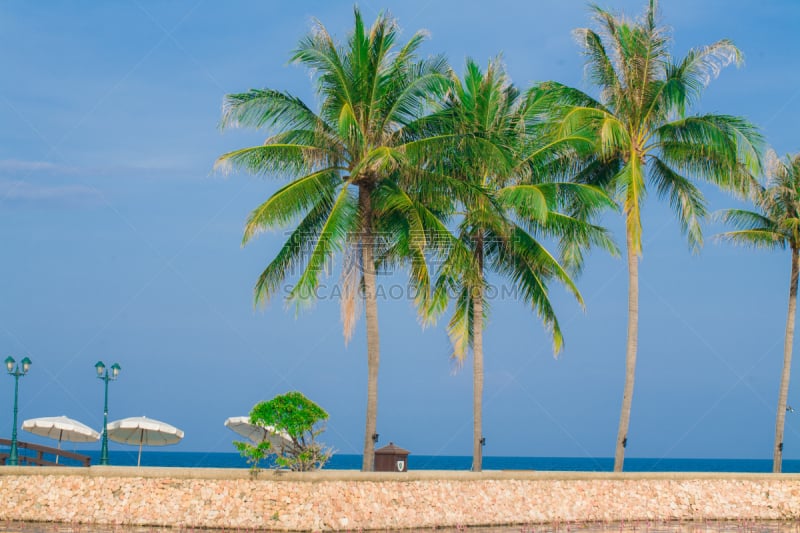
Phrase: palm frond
[260,108]
[379,161]
[754,238]
[746,220]
[528,202]
[529,266]
[547,103]
[291,257]
[413,88]
[277,160]
[457,269]
[630,183]
[684,198]
[288,202]
[351,290]
[460,327]
[575,237]
[598,64]
[320,54]
[776,221]
[350,129]
[730,144]
[566,195]
[340,224]
[685,81]
[612,134]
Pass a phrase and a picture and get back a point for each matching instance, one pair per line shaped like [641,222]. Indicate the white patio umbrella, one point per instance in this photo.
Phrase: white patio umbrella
[140,430]
[257,434]
[60,428]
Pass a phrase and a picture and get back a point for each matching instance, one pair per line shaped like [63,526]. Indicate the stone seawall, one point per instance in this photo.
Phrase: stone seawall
[343,500]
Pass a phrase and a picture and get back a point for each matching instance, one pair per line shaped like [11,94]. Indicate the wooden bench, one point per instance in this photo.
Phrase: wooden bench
[40,450]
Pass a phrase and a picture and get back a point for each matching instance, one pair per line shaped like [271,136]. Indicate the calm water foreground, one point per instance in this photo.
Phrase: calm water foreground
[446,462]
[631,527]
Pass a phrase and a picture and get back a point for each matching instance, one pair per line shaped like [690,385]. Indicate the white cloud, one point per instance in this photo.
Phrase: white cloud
[22,191]
[17,166]
[24,170]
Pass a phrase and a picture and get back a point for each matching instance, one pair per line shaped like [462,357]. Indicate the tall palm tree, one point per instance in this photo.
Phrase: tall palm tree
[645,137]
[774,224]
[350,164]
[502,152]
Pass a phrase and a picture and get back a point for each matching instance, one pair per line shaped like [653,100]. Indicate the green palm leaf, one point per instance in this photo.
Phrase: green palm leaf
[755,238]
[291,200]
[461,326]
[267,108]
[684,198]
[685,81]
[746,220]
[276,159]
[291,257]
[340,224]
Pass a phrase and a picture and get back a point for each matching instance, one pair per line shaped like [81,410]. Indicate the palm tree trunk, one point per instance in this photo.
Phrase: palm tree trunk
[630,352]
[373,344]
[783,392]
[477,364]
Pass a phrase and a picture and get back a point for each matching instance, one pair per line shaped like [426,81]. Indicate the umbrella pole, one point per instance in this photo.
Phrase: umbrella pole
[141,441]
[60,436]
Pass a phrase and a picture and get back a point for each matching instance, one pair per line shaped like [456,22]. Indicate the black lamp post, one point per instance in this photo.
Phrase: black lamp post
[16,370]
[106,376]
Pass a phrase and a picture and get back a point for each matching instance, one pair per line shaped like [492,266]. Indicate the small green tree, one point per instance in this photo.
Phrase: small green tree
[254,454]
[296,423]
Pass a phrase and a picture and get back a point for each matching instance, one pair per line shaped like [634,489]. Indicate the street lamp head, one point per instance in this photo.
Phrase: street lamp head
[115,368]
[100,367]
[26,365]
[10,363]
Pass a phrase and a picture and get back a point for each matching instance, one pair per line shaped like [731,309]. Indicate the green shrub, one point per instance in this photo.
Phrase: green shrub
[300,421]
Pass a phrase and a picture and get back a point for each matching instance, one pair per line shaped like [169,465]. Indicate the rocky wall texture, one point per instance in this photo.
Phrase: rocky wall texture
[388,502]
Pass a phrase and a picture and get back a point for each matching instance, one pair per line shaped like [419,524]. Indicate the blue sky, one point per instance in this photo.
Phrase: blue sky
[121,244]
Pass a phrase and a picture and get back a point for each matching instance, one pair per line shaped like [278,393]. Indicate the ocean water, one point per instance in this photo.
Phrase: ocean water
[449,462]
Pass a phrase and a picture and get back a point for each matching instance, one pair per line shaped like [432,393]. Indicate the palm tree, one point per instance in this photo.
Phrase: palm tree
[645,137]
[774,224]
[501,152]
[350,165]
